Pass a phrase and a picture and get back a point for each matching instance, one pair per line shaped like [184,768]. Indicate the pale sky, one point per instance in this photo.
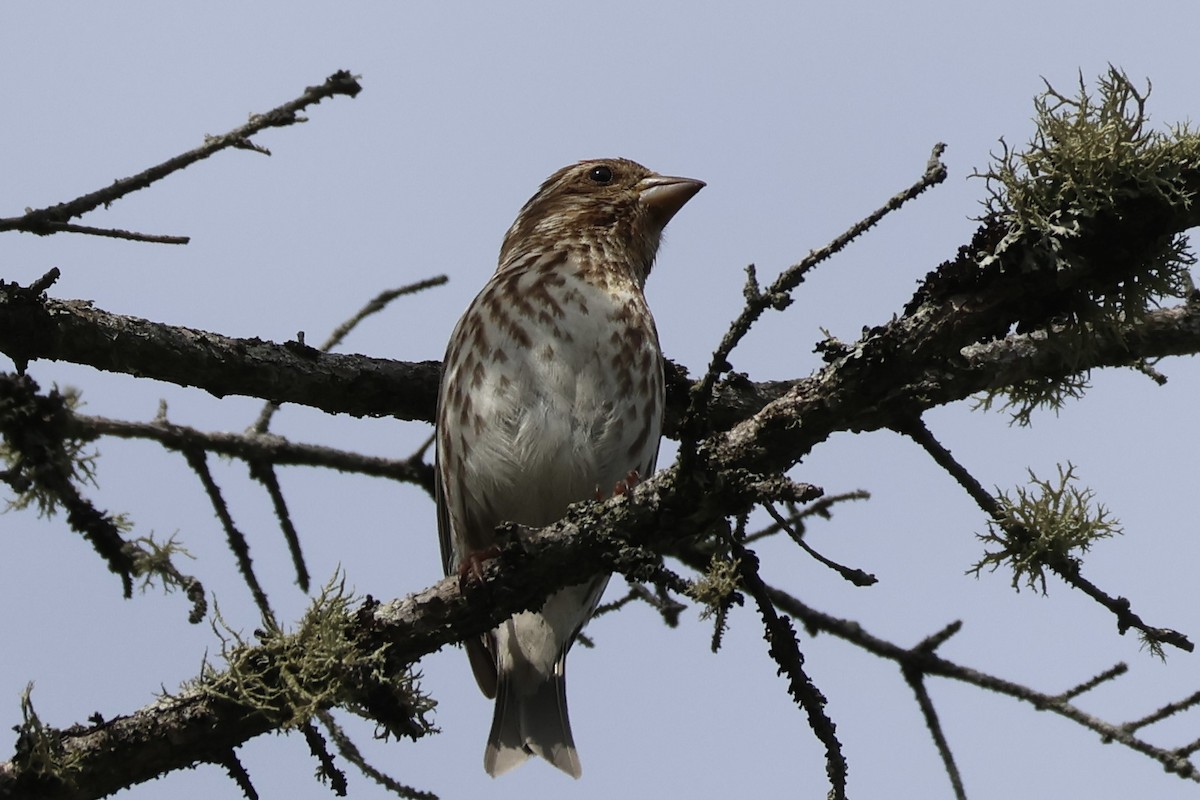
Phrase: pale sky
[801,122]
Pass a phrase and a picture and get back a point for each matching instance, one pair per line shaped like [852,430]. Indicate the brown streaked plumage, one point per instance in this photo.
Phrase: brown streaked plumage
[552,392]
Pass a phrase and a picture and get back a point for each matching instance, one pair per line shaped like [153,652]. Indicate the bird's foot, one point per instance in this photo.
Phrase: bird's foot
[471,568]
[623,487]
[626,486]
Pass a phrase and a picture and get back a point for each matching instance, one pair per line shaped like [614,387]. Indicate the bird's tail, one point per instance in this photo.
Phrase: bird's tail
[531,719]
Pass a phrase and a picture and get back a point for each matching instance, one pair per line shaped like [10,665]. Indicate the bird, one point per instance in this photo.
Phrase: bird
[552,392]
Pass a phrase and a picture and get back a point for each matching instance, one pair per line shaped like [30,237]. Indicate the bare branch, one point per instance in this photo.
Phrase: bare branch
[53,219]
[1170,709]
[855,576]
[925,662]
[1091,683]
[253,448]
[376,304]
[74,331]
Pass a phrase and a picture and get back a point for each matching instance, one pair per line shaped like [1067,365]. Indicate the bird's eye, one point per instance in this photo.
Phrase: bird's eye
[601,175]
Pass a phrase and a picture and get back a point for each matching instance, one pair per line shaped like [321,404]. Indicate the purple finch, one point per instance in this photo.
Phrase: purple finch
[552,393]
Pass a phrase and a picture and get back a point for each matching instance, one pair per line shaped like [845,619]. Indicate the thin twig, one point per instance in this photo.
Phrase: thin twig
[925,703]
[265,474]
[377,304]
[237,540]
[416,462]
[1114,671]
[237,772]
[1168,710]
[855,576]
[114,233]
[819,508]
[251,447]
[935,640]
[668,607]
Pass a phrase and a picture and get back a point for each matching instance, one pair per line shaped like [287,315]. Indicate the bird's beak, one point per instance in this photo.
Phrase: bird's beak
[664,195]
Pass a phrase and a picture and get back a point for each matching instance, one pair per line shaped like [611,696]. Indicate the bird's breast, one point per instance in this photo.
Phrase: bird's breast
[566,392]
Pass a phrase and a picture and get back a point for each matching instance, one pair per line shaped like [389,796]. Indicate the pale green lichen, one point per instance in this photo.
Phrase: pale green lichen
[1020,400]
[1099,200]
[39,751]
[153,563]
[719,583]
[69,454]
[717,589]
[152,560]
[1089,154]
[290,676]
[1044,525]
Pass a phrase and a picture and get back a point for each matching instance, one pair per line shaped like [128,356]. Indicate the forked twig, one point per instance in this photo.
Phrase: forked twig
[778,296]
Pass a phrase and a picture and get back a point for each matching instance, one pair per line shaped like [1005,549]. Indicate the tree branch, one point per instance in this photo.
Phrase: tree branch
[33,327]
[620,535]
[76,332]
[1076,296]
[204,723]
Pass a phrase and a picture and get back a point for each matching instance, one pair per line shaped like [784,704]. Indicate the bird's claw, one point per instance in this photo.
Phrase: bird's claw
[623,487]
[470,569]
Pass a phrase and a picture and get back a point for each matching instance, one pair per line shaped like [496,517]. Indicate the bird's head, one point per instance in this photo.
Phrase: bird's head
[610,211]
